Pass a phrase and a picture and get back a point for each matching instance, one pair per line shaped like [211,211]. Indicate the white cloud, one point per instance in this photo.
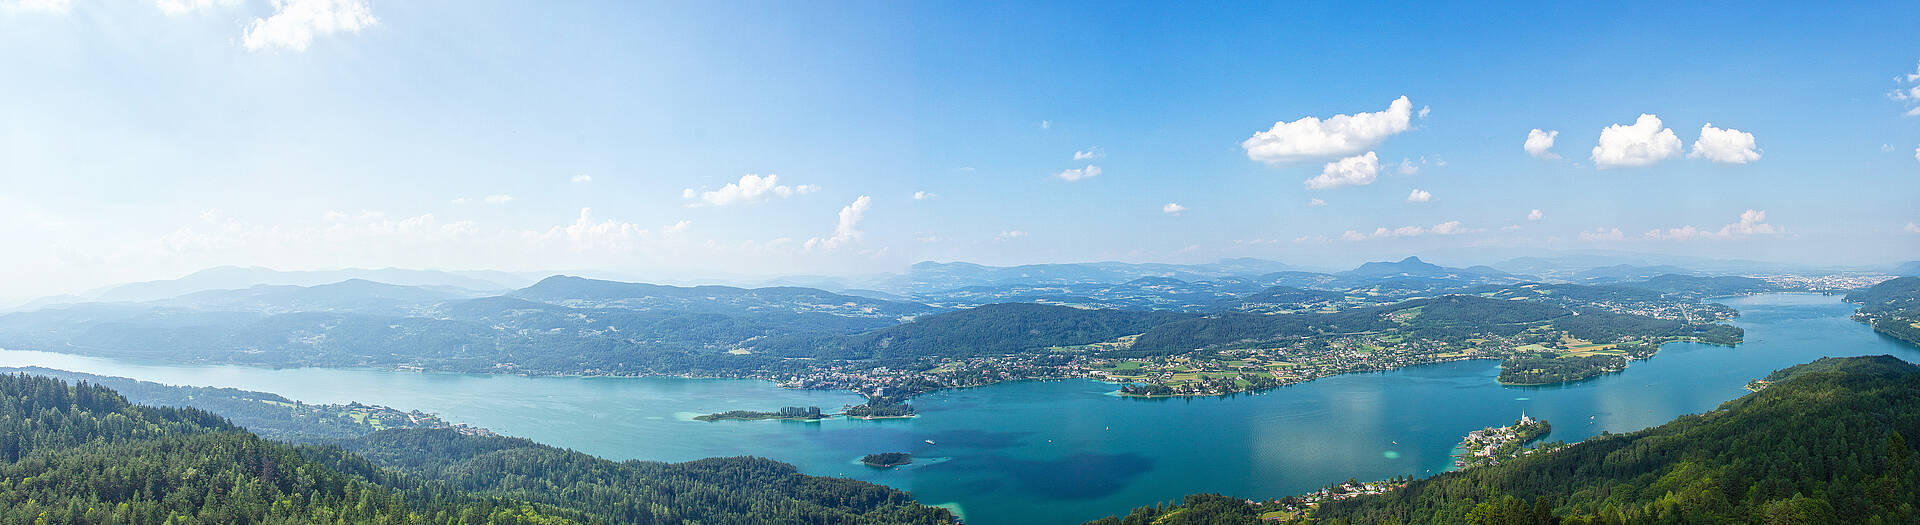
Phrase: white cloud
[678,226]
[1310,137]
[1913,228]
[1540,143]
[1645,142]
[1316,202]
[1407,167]
[1351,171]
[1916,153]
[1009,235]
[1510,227]
[1090,153]
[1603,234]
[1173,208]
[924,195]
[295,23]
[1075,174]
[1751,222]
[926,237]
[1886,148]
[1535,215]
[1910,95]
[179,7]
[1424,110]
[585,234]
[1445,228]
[37,6]
[1726,146]
[1046,124]
[847,229]
[581,179]
[1419,195]
[750,189]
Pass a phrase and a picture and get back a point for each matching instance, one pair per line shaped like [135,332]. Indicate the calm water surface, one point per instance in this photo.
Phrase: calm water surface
[1069,451]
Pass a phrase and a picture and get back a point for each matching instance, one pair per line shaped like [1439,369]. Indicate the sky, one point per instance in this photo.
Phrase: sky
[146,139]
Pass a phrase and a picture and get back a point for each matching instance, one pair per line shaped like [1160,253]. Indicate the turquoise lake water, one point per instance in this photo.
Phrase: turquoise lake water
[1070,451]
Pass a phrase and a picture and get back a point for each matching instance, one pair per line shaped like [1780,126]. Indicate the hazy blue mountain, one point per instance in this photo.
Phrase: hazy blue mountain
[352,295]
[1626,272]
[235,278]
[936,276]
[1144,293]
[1694,285]
[1414,268]
[1909,268]
[594,293]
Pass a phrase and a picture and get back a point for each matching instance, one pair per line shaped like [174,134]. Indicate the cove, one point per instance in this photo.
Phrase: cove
[1070,451]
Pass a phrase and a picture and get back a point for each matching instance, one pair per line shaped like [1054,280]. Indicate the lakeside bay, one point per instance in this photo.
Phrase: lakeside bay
[1065,451]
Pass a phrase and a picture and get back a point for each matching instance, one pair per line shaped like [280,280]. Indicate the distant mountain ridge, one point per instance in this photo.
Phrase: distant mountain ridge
[236,278]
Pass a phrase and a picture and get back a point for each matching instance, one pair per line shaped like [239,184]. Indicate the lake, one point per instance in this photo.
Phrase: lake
[1070,451]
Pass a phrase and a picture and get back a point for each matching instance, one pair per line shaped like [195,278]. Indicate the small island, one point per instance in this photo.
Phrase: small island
[887,459]
[787,413]
[1492,445]
[879,408]
[1548,369]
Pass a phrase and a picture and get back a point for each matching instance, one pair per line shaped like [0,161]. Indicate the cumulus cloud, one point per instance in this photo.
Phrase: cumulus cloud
[1751,222]
[1407,167]
[1913,228]
[1090,153]
[1726,146]
[1075,174]
[847,229]
[1009,235]
[749,189]
[1645,142]
[1351,171]
[1173,208]
[1916,153]
[581,179]
[1535,215]
[1908,94]
[1419,195]
[587,234]
[1311,138]
[1316,202]
[1445,228]
[295,23]
[1540,143]
[1602,234]
[924,195]
[1046,124]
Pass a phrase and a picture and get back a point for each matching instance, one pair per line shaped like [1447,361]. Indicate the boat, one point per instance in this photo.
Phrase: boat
[929,442]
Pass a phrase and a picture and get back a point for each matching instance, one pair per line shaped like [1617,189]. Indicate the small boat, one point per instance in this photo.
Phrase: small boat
[1396,442]
[929,442]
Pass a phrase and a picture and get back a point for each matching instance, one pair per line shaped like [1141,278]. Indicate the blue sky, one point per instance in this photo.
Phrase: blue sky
[144,140]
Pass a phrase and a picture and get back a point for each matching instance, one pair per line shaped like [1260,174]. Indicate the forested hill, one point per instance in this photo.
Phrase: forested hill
[80,453]
[1828,443]
[993,329]
[1892,308]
